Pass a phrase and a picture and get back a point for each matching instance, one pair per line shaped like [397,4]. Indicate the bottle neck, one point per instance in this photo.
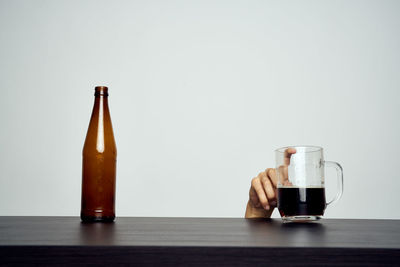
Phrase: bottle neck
[100,134]
[100,99]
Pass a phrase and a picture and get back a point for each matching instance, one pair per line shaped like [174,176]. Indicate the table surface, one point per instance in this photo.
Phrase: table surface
[200,237]
[235,232]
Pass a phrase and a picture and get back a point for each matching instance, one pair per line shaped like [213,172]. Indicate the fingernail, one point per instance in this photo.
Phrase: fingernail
[267,207]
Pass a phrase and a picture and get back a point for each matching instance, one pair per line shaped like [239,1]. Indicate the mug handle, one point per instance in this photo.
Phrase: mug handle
[339,171]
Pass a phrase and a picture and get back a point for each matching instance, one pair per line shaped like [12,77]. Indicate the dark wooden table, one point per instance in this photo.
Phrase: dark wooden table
[198,241]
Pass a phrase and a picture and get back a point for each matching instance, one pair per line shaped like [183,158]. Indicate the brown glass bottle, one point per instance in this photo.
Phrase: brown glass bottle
[99,163]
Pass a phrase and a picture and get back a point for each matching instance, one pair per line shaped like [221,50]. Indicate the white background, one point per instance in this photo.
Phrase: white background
[201,93]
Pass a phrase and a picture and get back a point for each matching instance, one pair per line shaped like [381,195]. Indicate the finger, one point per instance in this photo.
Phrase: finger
[288,183]
[254,198]
[288,153]
[271,173]
[283,174]
[262,197]
[268,188]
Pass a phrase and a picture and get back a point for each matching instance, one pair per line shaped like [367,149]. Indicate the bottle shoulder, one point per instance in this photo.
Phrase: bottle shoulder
[99,148]
[97,154]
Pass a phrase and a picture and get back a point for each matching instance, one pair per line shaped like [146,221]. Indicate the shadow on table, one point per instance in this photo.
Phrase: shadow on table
[276,232]
[97,233]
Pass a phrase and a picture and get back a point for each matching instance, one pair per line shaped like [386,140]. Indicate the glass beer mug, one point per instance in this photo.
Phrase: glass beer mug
[301,182]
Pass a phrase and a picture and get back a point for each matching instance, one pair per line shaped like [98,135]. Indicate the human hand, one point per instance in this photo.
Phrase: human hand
[262,194]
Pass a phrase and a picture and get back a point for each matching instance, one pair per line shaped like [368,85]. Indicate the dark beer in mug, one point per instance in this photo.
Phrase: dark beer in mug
[301,201]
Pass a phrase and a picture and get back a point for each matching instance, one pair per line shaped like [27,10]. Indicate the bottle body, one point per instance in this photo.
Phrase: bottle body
[99,160]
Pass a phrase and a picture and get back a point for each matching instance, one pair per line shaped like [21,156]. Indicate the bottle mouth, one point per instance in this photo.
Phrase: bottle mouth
[101,91]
